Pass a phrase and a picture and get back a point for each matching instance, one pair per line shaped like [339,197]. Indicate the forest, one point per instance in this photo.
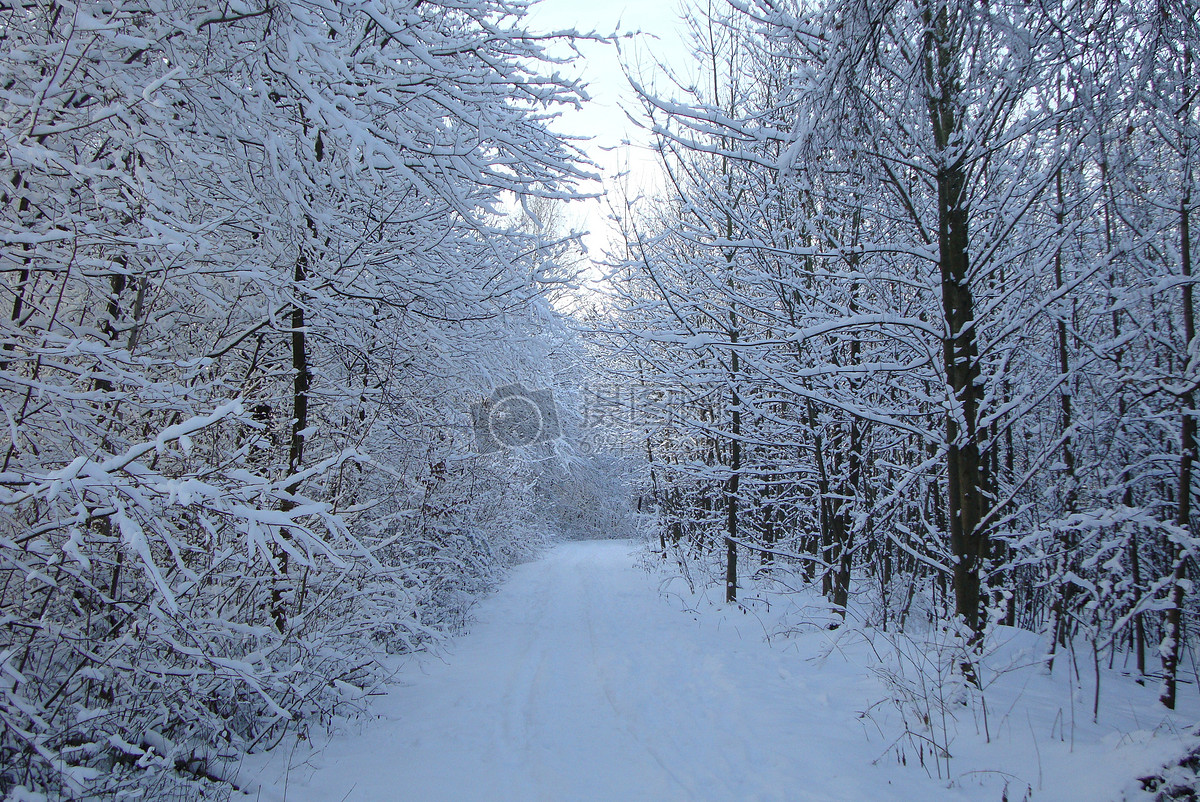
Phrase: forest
[917,313]
[912,323]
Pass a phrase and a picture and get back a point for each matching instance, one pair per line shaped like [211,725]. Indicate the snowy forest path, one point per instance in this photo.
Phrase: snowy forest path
[579,681]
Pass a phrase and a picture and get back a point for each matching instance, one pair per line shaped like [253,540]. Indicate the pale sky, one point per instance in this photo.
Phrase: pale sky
[603,118]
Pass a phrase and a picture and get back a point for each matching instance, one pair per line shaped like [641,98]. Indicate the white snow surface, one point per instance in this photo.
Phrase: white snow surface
[586,677]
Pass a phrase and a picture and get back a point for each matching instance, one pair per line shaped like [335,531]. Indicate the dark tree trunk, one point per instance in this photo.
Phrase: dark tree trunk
[735,468]
[1060,630]
[1187,458]
[968,541]
[301,381]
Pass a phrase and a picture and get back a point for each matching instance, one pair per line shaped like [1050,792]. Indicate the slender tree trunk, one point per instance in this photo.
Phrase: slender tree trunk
[1139,626]
[825,514]
[735,471]
[845,523]
[850,482]
[1187,458]
[301,380]
[1060,607]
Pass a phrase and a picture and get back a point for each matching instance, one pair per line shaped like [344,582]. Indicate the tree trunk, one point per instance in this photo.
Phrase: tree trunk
[968,542]
[735,468]
[845,522]
[1060,630]
[1187,458]
[301,380]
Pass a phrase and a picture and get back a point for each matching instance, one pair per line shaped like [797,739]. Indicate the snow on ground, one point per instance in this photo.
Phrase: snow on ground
[589,678]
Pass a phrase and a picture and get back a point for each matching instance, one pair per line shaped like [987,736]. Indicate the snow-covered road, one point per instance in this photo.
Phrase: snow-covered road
[580,682]
[584,680]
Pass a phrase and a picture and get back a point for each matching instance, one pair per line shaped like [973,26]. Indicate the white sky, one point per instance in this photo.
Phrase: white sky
[603,118]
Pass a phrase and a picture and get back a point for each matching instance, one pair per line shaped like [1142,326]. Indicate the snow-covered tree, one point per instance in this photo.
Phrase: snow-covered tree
[258,271]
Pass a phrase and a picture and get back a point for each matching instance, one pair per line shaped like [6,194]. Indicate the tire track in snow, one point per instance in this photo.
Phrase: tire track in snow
[605,682]
[516,741]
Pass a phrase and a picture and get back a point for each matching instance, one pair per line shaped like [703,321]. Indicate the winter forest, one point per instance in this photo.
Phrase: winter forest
[909,331]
